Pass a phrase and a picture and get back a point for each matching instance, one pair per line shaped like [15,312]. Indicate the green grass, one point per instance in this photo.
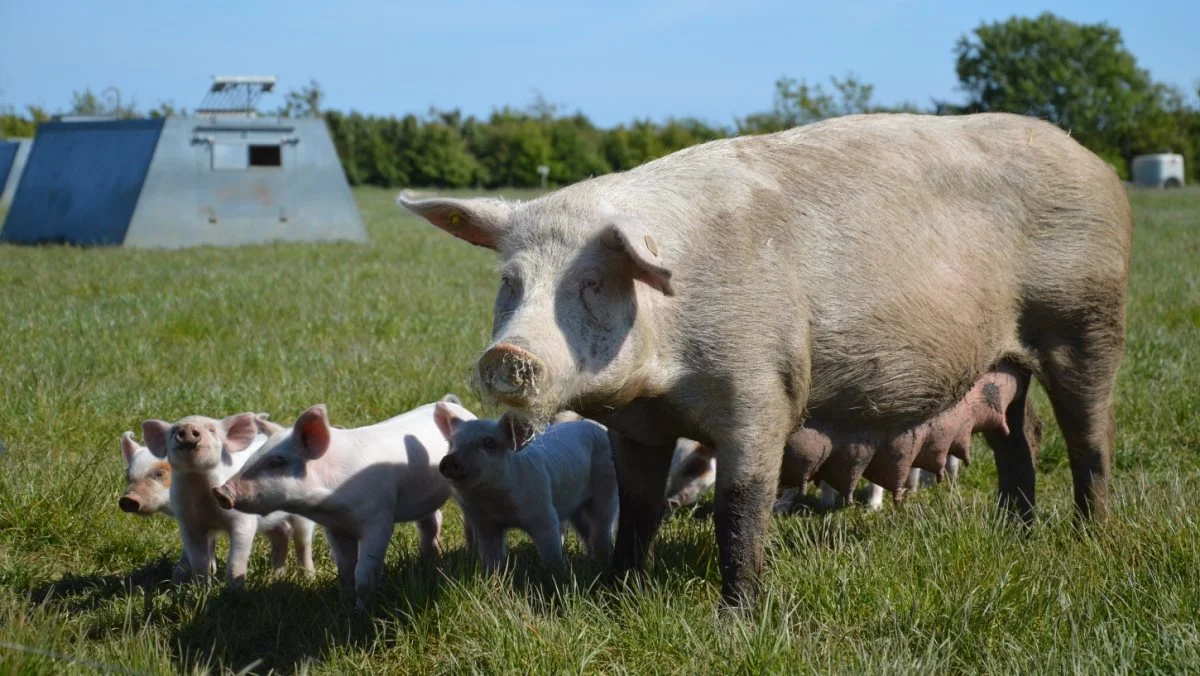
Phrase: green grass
[95,341]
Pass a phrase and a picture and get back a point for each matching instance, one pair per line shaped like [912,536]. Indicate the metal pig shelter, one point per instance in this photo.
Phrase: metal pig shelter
[220,179]
[13,154]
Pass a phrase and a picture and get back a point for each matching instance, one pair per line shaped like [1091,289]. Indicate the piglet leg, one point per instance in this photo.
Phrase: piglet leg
[302,535]
[197,552]
[489,542]
[241,540]
[546,533]
[344,548]
[372,551]
[430,529]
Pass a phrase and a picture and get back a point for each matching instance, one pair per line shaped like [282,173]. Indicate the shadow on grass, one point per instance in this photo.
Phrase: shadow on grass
[85,593]
[286,625]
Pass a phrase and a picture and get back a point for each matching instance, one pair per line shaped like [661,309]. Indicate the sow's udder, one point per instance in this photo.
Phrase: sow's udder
[840,456]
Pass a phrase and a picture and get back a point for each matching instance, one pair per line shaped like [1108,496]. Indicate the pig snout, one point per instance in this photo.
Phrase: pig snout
[187,435]
[225,496]
[510,374]
[452,468]
[130,503]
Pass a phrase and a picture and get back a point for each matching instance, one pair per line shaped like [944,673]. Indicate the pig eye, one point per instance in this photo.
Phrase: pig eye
[159,474]
[489,444]
[275,462]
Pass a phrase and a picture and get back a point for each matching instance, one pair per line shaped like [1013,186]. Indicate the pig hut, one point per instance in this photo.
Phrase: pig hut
[224,176]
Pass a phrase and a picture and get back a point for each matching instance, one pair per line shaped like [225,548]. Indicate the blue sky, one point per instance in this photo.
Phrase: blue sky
[615,61]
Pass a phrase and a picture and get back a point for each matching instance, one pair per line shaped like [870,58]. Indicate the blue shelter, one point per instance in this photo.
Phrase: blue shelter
[225,177]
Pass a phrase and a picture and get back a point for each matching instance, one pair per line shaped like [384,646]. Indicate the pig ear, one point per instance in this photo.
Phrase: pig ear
[312,430]
[445,419]
[516,431]
[239,431]
[155,433]
[266,426]
[481,221]
[643,252]
[128,446]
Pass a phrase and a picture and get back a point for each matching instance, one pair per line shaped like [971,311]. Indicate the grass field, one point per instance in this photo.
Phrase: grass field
[95,341]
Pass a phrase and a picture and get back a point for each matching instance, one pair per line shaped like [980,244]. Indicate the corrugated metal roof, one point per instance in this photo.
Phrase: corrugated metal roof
[82,182]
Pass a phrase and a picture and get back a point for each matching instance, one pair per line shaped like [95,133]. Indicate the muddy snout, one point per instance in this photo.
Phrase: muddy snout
[452,468]
[130,503]
[510,374]
[225,496]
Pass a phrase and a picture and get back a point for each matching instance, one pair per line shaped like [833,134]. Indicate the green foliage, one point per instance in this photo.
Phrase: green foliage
[798,103]
[102,339]
[304,102]
[1081,77]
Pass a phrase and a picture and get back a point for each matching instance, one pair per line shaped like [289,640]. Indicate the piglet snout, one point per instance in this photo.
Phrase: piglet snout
[224,496]
[129,503]
[187,434]
[451,468]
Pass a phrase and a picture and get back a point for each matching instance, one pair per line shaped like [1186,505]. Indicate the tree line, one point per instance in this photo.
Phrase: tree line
[1078,76]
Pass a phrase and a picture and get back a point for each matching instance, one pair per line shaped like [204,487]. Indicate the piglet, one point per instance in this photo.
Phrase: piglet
[203,453]
[148,489]
[357,483]
[693,473]
[564,474]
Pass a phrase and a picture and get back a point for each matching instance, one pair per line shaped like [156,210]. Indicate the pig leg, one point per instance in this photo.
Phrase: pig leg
[582,526]
[430,529]
[641,484]
[241,541]
[748,466]
[344,548]
[489,542]
[546,533]
[197,543]
[372,551]
[1015,457]
[302,535]
[278,537]
[601,515]
[1079,358]
[913,482]
[952,468]
[875,496]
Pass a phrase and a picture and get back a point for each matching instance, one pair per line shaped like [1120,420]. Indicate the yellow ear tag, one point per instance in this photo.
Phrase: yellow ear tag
[651,244]
[455,218]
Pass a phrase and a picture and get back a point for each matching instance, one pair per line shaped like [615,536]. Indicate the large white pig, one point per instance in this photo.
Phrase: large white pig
[869,291]
[357,483]
[506,477]
[203,453]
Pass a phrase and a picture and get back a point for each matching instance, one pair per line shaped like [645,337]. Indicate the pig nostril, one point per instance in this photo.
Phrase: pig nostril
[128,504]
[224,501]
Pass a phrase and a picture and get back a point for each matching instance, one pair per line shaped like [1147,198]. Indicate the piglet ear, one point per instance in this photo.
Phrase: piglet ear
[643,252]
[445,419]
[482,221]
[311,429]
[128,446]
[267,427]
[239,431]
[155,433]
[517,431]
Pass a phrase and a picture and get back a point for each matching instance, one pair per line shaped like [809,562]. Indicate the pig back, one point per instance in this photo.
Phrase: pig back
[885,258]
